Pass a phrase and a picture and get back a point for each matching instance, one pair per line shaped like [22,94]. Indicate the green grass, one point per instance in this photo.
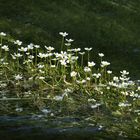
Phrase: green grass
[109,26]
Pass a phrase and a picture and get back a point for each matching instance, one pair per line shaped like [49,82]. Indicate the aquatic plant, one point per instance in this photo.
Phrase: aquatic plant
[63,81]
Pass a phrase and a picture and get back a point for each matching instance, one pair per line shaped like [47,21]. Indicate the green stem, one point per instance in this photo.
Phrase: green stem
[36,57]
[82,60]
[88,56]
[62,43]
[0,48]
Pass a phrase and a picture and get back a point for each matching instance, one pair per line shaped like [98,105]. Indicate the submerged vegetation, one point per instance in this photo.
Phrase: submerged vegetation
[61,83]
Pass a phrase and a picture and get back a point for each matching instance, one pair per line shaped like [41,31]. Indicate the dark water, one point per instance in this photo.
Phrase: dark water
[34,127]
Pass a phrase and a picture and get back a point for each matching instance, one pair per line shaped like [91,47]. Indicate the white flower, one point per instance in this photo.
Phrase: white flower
[5,47]
[3,34]
[27,53]
[64,34]
[49,48]
[37,46]
[125,93]
[69,40]
[113,84]
[138,88]
[109,71]
[101,54]
[17,55]
[83,81]
[31,57]
[22,49]
[88,78]
[96,75]
[116,79]
[68,44]
[82,53]
[70,50]
[88,49]
[18,77]
[77,49]
[63,62]
[41,55]
[18,42]
[124,72]
[91,64]
[30,46]
[73,74]
[124,78]
[74,58]
[104,63]
[87,69]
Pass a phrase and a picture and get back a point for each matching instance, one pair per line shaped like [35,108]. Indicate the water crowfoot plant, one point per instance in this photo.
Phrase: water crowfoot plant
[55,83]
